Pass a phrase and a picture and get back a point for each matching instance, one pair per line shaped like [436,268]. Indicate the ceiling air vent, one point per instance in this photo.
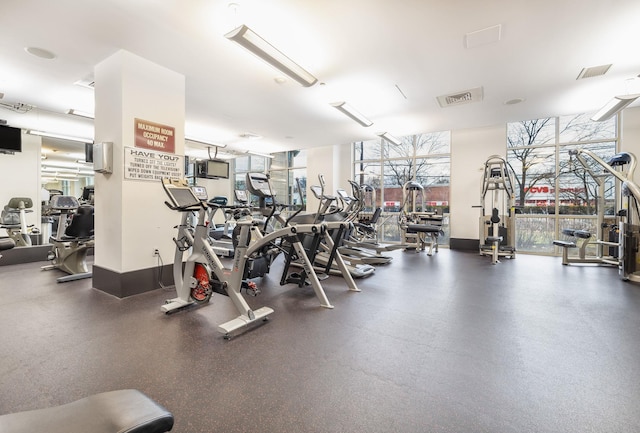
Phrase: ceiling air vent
[88,82]
[460,98]
[594,71]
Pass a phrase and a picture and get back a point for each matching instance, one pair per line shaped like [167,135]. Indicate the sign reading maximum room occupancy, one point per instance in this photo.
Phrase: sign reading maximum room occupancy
[155,136]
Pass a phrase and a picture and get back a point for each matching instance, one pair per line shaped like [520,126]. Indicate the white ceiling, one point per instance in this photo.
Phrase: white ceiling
[366,52]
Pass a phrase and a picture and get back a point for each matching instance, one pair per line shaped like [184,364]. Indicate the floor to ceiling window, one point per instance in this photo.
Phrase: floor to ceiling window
[248,164]
[553,191]
[382,168]
[288,172]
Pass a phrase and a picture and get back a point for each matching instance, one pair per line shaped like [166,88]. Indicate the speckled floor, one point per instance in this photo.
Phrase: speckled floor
[447,343]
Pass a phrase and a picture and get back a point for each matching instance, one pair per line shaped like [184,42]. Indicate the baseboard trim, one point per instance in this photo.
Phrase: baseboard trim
[464,244]
[131,283]
[17,255]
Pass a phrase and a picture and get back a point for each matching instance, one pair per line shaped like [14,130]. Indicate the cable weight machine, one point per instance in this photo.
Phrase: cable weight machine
[497,223]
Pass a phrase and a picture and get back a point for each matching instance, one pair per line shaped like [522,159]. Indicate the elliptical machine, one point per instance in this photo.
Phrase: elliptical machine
[497,227]
[339,226]
[320,248]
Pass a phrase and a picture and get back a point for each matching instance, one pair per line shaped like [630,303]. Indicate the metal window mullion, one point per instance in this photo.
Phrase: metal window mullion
[556,194]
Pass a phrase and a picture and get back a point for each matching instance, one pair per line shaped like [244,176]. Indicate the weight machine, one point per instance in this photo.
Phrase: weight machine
[419,228]
[623,234]
[498,226]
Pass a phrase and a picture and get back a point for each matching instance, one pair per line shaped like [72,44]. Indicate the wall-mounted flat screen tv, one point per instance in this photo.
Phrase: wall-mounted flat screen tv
[10,139]
[217,169]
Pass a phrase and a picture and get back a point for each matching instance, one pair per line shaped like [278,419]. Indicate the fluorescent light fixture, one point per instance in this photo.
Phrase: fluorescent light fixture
[250,136]
[613,106]
[60,136]
[249,152]
[80,113]
[390,138]
[67,175]
[249,39]
[206,143]
[352,112]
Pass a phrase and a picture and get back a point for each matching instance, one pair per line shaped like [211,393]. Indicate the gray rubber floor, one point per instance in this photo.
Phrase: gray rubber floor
[447,343]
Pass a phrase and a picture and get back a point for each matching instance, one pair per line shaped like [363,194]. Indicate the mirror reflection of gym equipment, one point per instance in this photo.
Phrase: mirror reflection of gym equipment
[73,238]
[497,223]
[617,238]
[15,222]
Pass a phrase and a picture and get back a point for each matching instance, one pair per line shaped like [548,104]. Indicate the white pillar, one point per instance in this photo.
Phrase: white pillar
[131,218]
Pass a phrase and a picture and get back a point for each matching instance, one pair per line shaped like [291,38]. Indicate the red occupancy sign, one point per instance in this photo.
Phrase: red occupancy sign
[150,135]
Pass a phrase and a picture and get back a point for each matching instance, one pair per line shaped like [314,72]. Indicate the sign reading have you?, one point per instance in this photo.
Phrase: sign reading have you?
[154,155]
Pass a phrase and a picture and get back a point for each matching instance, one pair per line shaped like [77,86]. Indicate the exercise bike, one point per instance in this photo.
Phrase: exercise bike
[73,238]
[204,273]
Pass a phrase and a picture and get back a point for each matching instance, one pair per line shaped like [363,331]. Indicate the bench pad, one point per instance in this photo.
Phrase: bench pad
[423,228]
[565,244]
[122,411]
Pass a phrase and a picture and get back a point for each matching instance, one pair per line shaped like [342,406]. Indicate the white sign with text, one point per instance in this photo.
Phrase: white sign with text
[146,164]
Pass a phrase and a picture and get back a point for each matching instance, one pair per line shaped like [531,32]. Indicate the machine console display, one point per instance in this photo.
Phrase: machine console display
[200,192]
[241,196]
[180,193]
[258,184]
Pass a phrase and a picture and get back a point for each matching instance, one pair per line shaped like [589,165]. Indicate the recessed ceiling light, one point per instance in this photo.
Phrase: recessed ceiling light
[514,101]
[280,80]
[40,52]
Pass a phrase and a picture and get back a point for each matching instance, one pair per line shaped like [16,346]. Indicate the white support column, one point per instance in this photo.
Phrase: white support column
[131,218]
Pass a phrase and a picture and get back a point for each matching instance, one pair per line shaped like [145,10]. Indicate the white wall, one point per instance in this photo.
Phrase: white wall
[470,149]
[334,162]
[218,187]
[131,218]
[20,176]
[631,134]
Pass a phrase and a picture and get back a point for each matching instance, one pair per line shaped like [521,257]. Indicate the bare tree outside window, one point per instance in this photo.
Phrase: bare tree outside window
[386,167]
[548,182]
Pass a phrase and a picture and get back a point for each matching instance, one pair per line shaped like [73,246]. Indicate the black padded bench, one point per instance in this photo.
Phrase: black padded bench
[566,245]
[582,234]
[425,235]
[423,228]
[122,411]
